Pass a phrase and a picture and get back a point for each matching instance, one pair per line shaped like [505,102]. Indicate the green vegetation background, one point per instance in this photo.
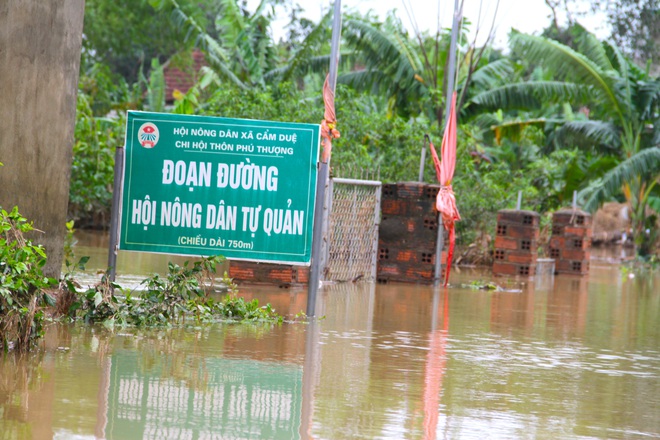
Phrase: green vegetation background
[555,114]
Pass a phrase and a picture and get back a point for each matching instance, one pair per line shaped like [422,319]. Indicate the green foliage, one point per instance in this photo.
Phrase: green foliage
[483,285]
[23,286]
[369,140]
[106,91]
[126,34]
[183,296]
[481,194]
[92,171]
[236,307]
[156,90]
[181,293]
[546,119]
[243,51]
[619,103]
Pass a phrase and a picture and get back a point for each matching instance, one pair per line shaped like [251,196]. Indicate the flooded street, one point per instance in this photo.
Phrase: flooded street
[560,357]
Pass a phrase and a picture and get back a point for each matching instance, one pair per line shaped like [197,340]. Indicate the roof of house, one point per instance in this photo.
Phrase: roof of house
[182,78]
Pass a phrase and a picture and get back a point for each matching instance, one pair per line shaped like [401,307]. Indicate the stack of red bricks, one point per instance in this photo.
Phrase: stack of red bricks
[282,275]
[516,243]
[570,243]
[408,233]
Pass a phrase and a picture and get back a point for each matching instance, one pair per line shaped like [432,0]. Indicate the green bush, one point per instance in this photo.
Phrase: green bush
[92,171]
[370,139]
[181,297]
[23,286]
[488,174]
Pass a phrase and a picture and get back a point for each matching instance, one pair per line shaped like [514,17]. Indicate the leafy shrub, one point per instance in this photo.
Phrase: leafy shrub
[92,171]
[184,295]
[23,286]
[370,139]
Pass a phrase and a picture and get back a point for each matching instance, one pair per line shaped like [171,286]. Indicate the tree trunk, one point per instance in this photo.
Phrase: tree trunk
[40,43]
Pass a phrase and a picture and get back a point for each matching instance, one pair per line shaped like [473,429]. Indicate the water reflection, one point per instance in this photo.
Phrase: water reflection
[568,357]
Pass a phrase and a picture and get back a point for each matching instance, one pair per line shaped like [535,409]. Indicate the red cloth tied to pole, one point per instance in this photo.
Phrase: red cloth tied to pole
[329,123]
[445,202]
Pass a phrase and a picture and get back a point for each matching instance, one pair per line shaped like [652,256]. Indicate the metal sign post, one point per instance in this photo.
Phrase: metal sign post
[116,212]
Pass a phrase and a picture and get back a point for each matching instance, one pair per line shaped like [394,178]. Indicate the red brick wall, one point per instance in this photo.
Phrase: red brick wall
[408,233]
[516,243]
[570,243]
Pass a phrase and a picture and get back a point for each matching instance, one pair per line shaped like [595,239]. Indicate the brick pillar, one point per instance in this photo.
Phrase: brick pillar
[516,243]
[570,243]
[408,233]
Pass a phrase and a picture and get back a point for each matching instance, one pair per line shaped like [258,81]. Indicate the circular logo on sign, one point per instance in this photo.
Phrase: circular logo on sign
[148,135]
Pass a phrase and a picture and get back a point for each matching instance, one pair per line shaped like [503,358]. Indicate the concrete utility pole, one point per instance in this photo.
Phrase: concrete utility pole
[40,43]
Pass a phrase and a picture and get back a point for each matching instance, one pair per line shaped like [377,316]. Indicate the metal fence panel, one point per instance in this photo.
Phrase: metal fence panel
[353,230]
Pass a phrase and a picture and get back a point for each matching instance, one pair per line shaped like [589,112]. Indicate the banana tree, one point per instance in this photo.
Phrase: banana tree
[622,102]
[243,51]
[410,72]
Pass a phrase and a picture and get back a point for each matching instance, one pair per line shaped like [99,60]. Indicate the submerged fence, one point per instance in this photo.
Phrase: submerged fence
[350,244]
[352,230]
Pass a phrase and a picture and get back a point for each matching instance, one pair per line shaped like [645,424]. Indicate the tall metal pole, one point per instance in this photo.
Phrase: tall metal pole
[114,216]
[318,234]
[450,74]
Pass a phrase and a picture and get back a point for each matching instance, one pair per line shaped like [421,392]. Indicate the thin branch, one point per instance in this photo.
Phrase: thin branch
[474,61]
[418,34]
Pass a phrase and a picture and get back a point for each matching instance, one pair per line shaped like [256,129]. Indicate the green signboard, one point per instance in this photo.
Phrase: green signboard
[196,185]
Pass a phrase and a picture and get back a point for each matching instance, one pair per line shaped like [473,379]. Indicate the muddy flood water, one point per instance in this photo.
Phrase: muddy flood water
[558,357]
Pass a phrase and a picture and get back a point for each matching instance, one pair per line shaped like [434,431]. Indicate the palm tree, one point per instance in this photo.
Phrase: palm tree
[623,103]
[243,51]
[410,72]
[385,63]
[245,55]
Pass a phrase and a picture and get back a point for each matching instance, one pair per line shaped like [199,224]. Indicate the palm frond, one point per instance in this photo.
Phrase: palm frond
[492,74]
[302,60]
[569,65]
[616,57]
[514,130]
[231,21]
[224,70]
[240,38]
[215,54]
[588,44]
[623,78]
[387,64]
[192,28]
[368,80]
[644,163]
[486,120]
[382,50]
[529,95]
[595,132]
[648,98]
